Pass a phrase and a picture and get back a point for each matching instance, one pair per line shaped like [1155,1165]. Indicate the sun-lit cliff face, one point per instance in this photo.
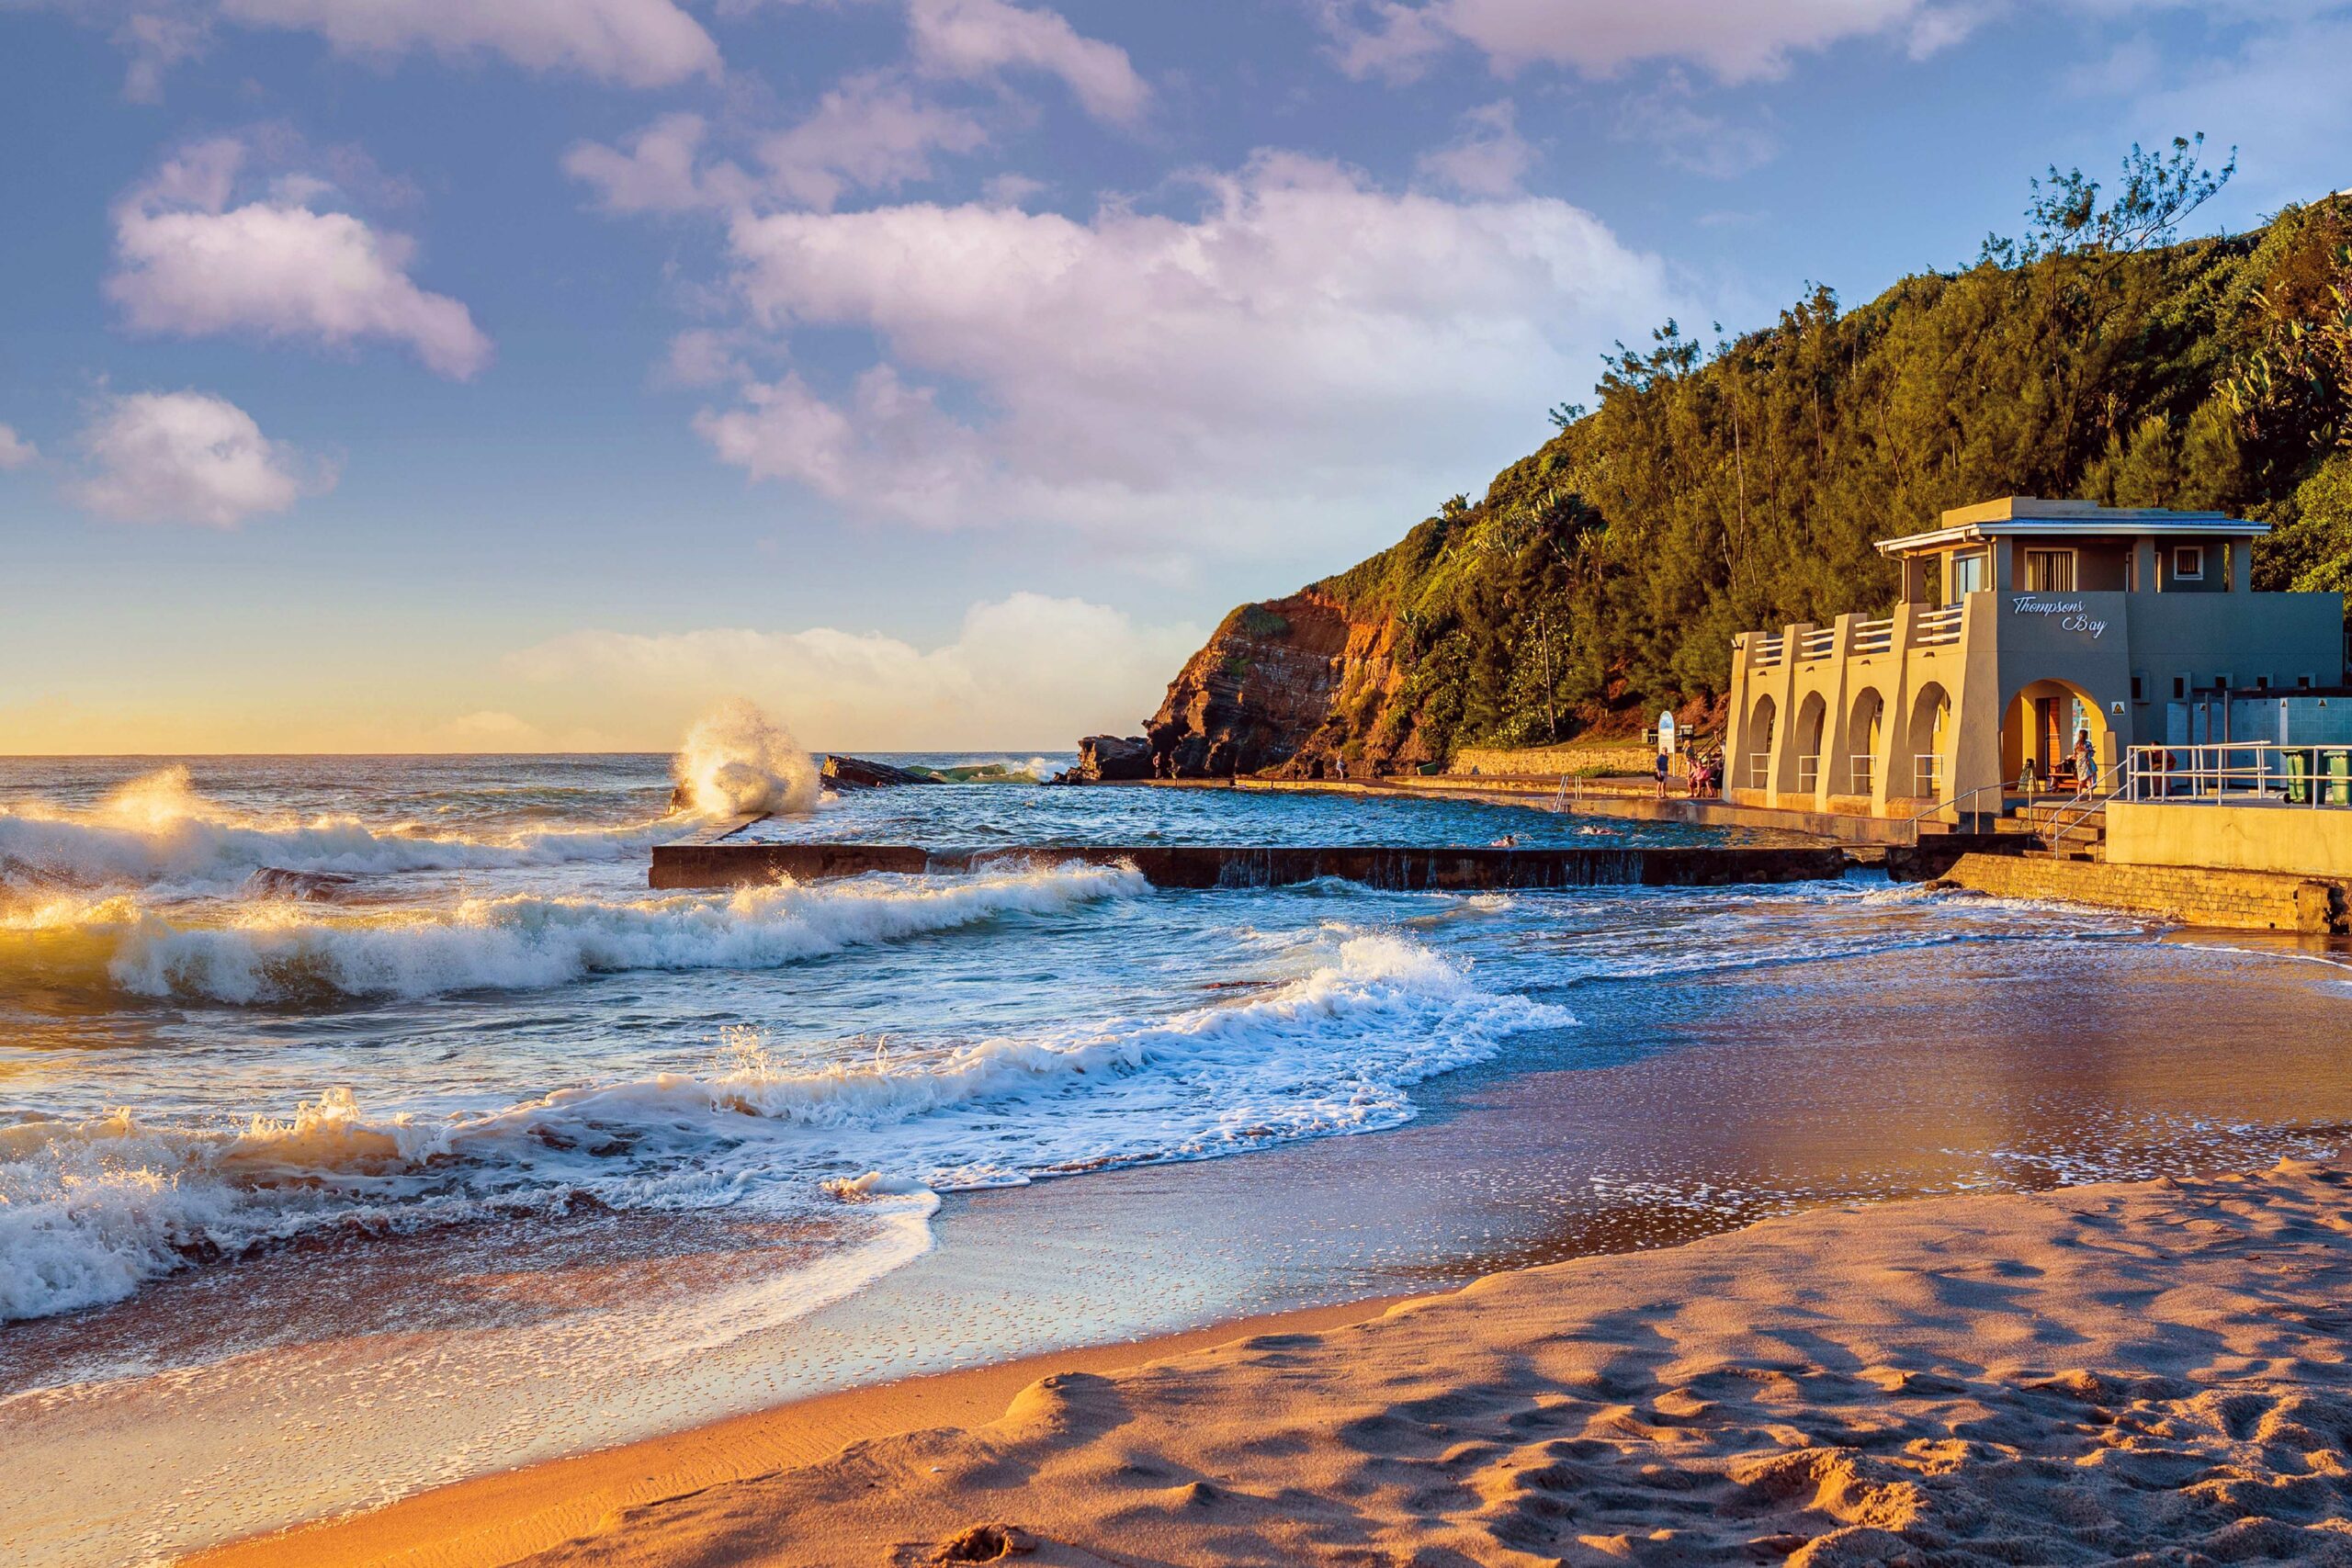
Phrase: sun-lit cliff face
[1715,490]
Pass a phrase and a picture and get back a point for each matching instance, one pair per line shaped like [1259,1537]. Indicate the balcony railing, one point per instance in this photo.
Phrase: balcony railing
[2243,773]
[1940,627]
[1873,636]
[1928,776]
[1808,774]
[1766,651]
[1816,645]
[1862,771]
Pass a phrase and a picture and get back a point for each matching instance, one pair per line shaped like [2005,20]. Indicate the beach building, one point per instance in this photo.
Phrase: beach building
[2022,625]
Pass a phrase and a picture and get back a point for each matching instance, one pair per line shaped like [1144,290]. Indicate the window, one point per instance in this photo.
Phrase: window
[2223,683]
[2304,682]
[2180,687]
[2139,686]
[2262,683]
[2050,572]
[1967,576]
[2188,563]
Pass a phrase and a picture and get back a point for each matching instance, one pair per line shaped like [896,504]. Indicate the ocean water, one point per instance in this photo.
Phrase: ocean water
[340,1086]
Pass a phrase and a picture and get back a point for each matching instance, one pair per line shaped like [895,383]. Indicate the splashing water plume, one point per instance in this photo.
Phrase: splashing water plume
[737,760]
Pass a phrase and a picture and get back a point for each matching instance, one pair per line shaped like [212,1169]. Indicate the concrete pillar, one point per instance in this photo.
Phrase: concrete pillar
[2240,554]
[2005,565]
[1891,767]
[1781,773]
[1914,579]
[1833,719]
[2143,564]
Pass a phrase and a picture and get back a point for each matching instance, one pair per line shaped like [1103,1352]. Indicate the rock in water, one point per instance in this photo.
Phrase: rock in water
[856,772]
[1107,759]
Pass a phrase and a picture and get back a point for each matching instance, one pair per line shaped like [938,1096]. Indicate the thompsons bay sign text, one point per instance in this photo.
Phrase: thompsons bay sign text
[2069,611]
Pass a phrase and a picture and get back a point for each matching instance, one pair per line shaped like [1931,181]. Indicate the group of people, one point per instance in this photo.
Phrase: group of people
[1700,778]
[2082,759]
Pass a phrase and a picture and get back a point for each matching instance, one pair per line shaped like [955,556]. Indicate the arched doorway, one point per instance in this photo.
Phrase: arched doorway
[1857,768]
[2041,724]
[1927,751]
[1813,718]
[1756,768]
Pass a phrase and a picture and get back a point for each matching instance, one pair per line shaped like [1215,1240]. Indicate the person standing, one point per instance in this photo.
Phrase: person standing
[2086,764]
[1664,760]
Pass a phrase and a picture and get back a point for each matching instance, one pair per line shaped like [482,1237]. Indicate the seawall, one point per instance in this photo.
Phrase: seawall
[2195,895]
[733,864]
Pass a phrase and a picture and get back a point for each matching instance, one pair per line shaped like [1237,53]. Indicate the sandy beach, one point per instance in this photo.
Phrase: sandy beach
[2144,1372]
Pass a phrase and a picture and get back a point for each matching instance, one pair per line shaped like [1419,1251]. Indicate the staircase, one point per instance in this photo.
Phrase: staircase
[2066,828]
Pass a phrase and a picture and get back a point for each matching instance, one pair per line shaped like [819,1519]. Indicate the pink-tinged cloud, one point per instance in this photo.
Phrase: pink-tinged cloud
[188,457]
[1736,43]
[16,452]
[639,43]
[1307,343]
[979,37]
[872,131]
[189,264]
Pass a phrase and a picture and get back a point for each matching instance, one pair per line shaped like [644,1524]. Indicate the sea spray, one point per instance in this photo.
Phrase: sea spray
[738,759]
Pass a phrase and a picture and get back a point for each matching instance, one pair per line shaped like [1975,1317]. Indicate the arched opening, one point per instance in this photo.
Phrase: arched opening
[1858,766]
[1813,718]
[1927,751]
[1756,768]
[2040,727]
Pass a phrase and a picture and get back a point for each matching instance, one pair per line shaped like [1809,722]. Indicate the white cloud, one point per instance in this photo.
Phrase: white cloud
[1668,121]
[16,452]
[1292,359]
[188,457]
[1736,42]
[1026,670]
[979,37]
[1489,158]
[641,43]
[190,263]
[869,132]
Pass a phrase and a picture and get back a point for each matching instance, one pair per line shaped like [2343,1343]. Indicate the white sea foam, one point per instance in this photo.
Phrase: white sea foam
[293,952]
[159,832]
[90,1211]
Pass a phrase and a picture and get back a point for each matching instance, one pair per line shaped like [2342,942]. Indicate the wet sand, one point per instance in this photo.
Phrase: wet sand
[1674,1111]
[2083,1376]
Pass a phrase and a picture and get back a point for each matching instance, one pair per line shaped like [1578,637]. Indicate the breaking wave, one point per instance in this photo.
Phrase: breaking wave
[292,951]
[90,1211]
[158,831]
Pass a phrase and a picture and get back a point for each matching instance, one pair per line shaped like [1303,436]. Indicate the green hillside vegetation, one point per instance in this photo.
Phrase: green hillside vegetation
[1718,489]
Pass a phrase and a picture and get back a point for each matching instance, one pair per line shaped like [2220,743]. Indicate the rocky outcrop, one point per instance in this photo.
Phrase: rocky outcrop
[1282,687]
[1110,758]
[856,772]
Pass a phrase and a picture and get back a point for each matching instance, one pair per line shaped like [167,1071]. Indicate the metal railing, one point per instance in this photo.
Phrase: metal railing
[2053,837]
[1861,771]
[1927,775]
[2242,773]
[1809,774]
[2000,788]
[1759,769]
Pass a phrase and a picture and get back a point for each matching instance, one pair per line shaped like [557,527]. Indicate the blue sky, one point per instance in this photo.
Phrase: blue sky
[392,373]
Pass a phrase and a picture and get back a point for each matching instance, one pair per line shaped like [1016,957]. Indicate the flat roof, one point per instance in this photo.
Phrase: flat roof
[2025,516]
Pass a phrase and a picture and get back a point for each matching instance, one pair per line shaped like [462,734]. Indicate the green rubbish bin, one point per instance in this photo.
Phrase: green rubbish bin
[2299,781]
[2339,778]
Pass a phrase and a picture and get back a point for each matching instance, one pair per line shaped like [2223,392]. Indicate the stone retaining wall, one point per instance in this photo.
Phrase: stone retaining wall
[2196,896]
[1553,761]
